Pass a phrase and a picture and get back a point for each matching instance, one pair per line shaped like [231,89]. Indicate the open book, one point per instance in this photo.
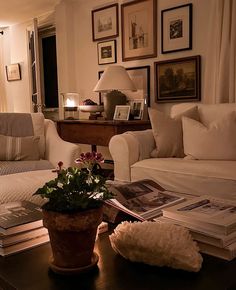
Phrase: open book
[142,199]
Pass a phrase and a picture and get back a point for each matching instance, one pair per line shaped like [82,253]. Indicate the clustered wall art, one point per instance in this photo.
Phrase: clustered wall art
[176,80]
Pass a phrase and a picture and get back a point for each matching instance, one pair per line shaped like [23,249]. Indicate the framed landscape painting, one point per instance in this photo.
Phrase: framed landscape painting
[139,29]
[176,28]
[105,22]
[178,80]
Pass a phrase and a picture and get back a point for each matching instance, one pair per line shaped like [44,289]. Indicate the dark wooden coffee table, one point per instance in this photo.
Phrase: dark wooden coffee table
[29,271]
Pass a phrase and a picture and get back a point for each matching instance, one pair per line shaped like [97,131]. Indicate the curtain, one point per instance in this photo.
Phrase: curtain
[3,101]
[220,69]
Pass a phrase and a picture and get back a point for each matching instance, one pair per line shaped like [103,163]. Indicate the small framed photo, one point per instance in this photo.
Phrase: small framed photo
[178,80]
[122,113]
[105,22]
[107,52]
[136,109]
[13,72]
[139,29]
[176,28]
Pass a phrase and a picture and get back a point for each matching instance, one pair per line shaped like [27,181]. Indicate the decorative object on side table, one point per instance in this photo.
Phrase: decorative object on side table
[91,107]
[70,105]
[73,212]
[158,244]
[114,80]
[178,79]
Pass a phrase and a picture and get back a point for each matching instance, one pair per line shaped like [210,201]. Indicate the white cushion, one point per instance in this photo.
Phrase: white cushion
[195,177]
[167,132]
[217,142]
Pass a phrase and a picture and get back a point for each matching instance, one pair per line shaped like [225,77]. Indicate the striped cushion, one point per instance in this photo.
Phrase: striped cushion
[19,148]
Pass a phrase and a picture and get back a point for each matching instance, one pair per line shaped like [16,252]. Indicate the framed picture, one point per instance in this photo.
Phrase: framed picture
[107,52]
[13,72]
[139,29]
[122,113]
[140,75]
[178,80]
[176,28]
[105,22]
[136,109]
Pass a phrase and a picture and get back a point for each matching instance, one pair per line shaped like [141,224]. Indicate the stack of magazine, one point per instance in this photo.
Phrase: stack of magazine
[142,200]
[211,221]
[21,227]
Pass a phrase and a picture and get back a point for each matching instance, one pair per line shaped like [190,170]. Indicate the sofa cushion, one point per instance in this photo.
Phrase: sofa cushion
[11,167]
[194,177]
[217,142]
[19,148]
[24,125]
[167,132]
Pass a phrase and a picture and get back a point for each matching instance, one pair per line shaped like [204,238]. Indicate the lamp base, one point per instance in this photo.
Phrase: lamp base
[111,100]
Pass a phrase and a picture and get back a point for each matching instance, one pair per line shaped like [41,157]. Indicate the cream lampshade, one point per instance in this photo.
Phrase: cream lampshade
[114,79]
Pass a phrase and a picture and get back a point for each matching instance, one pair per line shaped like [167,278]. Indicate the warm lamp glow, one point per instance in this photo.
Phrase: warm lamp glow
[70,103]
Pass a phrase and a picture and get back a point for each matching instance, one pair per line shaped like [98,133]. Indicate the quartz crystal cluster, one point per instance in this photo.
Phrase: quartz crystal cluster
[159,244]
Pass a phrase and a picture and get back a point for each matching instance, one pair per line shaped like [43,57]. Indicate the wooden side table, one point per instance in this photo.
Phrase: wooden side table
[96,132]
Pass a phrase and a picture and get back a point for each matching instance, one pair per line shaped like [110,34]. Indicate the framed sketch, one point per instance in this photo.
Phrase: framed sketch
[105,22]
[13,72]
[140,75]
[136,109]
[122,113]
[178,80]
[107,52]
[139,29]
[176,28]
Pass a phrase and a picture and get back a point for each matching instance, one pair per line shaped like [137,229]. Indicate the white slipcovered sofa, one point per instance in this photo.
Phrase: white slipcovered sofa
[30,148]
[134,154]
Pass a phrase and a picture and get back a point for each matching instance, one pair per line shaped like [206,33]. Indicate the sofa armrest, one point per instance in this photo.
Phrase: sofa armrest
[128,148]
[58,149]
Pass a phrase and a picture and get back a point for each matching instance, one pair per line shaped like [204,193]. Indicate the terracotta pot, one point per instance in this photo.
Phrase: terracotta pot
[72,236]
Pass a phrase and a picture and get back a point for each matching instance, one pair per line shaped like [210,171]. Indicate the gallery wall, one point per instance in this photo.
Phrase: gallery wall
[85,58]
[77,53]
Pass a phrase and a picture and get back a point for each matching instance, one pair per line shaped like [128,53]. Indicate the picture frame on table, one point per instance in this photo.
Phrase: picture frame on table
[139,29]
[13,72]
[122,113]
[176,28]
[136,109]
[178,80]
[105,23]
[106,52]
[140,75]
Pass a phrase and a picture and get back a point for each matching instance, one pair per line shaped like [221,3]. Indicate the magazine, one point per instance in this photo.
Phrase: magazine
[207,212]
[7,240]
[228,253]
[202,235]
[142,199]
[19,247]
[19,216]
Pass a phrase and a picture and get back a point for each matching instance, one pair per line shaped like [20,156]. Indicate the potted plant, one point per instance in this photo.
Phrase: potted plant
[73,212]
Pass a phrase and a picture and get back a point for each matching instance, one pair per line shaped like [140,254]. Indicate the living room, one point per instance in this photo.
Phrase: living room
[78,71]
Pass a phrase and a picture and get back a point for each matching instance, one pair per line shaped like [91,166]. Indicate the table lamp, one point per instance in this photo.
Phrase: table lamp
[114,79]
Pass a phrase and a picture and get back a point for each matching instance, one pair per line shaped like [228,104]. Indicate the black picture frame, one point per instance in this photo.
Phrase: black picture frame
[106,52]
[144,73]
[178,80]
[176,28]
[108,15]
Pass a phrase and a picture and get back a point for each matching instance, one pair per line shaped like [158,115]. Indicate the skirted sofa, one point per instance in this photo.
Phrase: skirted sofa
[191,151]
[30,148]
